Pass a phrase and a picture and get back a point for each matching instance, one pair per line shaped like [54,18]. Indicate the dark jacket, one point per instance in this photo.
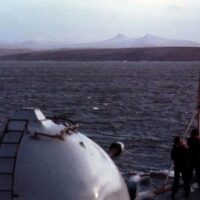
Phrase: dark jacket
[180,156]
[194,149]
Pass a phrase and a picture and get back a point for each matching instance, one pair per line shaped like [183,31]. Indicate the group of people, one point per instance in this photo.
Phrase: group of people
[186,157]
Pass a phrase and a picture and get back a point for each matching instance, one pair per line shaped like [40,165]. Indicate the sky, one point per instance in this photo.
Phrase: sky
[77,21]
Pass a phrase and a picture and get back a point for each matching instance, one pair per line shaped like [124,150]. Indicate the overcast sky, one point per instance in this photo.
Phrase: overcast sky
[93,20]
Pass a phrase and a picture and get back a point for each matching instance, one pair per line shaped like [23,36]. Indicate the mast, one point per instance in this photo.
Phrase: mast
[198,106]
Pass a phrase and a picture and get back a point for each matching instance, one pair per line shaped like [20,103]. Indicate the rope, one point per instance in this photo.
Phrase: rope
[167,177]
[190,124]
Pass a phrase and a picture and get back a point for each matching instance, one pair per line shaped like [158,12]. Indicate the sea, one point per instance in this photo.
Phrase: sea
[142,104]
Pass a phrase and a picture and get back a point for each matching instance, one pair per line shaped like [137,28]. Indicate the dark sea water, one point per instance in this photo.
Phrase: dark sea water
[143,104]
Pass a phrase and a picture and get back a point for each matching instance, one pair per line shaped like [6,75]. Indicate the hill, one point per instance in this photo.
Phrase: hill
[128,54]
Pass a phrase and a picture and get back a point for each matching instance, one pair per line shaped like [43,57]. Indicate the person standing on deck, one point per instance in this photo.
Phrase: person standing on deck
[180,157]
[194,149]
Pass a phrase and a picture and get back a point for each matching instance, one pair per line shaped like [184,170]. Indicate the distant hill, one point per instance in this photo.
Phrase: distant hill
[128,54]
[116,42]
[122,41]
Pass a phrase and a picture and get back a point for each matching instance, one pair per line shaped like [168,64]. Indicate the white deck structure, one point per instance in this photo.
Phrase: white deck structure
[56,163]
